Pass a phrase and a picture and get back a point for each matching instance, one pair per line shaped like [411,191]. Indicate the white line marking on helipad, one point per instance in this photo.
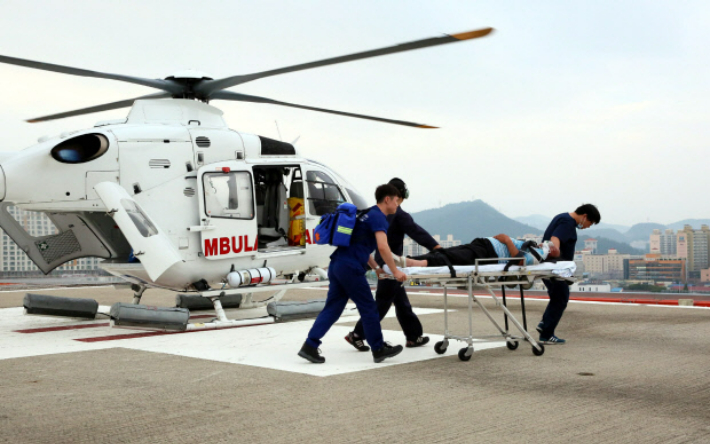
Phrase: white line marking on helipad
[273,346]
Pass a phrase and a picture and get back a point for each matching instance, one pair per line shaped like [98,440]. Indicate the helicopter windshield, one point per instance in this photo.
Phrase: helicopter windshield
[357,199]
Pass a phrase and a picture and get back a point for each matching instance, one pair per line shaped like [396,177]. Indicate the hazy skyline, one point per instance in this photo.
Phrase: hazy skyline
[565,103]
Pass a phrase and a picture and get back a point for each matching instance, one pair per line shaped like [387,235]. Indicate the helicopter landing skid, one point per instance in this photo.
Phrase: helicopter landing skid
[221,321]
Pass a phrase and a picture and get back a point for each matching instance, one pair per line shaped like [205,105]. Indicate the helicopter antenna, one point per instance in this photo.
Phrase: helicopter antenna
[295,140]
[278,130]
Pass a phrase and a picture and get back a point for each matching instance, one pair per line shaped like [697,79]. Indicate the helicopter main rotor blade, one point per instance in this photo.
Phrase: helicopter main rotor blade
[208,87]
[237,97]
[165,85]
[97,108]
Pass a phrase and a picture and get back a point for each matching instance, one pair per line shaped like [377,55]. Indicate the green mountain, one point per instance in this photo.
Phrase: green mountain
[469,220]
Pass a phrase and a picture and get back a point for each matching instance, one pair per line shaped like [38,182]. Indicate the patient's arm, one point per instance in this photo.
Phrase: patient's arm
[504,238]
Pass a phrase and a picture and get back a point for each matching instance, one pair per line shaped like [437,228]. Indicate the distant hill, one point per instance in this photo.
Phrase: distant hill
[620,228]
[604,232]
[604,244]
[535,220]
[641,232]
[469,220]
[695,223]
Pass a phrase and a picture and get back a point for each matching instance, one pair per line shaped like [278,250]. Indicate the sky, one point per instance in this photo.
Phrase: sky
[564,103]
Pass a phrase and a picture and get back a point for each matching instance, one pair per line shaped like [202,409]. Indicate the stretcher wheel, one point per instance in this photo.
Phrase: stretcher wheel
[463,356]
[439,348]
[540,352]
[512,345]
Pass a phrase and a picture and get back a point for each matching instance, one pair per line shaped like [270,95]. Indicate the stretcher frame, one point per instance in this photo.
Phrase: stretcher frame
[478,279]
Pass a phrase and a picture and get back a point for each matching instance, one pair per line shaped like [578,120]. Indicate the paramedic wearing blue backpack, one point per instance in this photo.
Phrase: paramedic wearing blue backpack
[347,279]
[391,292]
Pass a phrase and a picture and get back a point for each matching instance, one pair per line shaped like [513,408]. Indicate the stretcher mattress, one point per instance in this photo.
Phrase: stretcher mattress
[561,269]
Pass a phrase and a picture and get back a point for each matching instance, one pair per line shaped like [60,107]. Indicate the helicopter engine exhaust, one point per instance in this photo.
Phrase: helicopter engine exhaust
[252,276]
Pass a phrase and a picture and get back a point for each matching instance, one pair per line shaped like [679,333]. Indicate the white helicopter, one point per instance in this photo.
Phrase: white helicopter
[171,197]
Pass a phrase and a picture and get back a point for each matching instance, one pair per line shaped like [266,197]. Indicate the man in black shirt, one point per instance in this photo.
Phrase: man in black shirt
[390,291]
[562,232]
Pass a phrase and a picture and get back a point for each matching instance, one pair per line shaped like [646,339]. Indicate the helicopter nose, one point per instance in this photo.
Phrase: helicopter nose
[2,184]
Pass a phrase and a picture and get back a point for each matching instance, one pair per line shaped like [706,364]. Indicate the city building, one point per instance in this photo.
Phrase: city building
[653,268]
[705,275]
[412,248]
[14,261]
[590,244]
[595,288]
[609,266]
[693,246]
[448,242]
[664,243]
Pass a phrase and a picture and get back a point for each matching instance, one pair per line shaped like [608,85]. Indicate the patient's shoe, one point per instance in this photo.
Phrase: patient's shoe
[387,351]
[552,340]
[312,354]
[358,343]
[421,340]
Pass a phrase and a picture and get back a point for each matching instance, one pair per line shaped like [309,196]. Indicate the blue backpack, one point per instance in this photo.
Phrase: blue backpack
[337,228]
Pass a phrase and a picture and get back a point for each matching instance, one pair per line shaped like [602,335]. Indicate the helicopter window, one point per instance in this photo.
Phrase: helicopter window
[324,196]
[140,220]
[80,149]
[228,195]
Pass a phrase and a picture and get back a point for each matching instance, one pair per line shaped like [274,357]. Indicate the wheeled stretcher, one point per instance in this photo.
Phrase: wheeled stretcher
[488,277]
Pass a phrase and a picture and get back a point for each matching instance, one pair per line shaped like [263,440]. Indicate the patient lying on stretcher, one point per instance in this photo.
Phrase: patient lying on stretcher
[483,248]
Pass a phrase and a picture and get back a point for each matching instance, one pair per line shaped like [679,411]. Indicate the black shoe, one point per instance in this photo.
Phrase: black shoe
[387,351]
[312,354]
[421,340]
[358,343]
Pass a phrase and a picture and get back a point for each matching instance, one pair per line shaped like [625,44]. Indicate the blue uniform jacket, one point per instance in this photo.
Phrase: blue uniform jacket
[401,223]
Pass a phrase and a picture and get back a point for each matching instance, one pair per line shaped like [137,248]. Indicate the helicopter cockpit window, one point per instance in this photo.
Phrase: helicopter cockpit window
[324,196]
[229,195]
[80,149]
[140,220]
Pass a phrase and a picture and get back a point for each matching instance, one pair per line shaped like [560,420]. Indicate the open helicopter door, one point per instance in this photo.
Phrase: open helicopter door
[150,245]
[226,210]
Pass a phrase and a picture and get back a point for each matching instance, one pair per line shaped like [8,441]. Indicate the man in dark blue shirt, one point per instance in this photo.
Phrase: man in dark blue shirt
[562,232]
[389,291]
[346,273]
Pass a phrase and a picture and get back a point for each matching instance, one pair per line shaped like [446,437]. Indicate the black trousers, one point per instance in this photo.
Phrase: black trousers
[391,292]
[479,248]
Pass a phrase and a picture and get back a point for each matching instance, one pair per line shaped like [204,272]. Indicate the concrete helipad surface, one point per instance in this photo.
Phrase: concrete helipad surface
[630,373]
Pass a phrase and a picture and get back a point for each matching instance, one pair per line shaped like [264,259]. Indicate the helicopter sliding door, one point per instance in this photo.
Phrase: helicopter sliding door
[279,207]
[227,211]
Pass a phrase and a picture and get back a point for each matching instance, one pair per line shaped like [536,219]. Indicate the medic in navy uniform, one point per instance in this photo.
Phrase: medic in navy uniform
[346,273]
[389,291]
[562,233]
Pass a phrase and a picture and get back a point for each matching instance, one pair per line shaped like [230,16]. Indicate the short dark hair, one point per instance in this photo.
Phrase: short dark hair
[386,190]
[590,211]
[401,187]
